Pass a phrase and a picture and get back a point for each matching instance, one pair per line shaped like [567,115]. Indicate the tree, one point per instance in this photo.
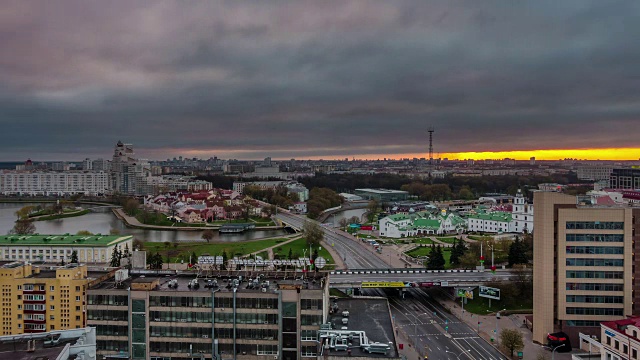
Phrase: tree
[511,339]
[208,235]
[24,212]
[518,253]
[131,207]
[372,209]
[115,257]
[436,258]
[84,233]
[23,227]
[155,261]
[343,223]
[313,233]
[74,257]
[469,260]
[290,256]
[457,251]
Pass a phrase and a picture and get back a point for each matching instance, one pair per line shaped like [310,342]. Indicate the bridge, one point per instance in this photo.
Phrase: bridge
[404,278]
[344,207]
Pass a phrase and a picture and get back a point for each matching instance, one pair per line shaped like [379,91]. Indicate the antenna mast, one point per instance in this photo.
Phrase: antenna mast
[430,148]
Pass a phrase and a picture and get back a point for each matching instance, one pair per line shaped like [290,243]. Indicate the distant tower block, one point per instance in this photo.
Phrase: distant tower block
[431,146]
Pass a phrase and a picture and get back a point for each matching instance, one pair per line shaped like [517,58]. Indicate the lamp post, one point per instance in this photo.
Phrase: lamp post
[458,356]
[554,350]
[497,323]
[415,325]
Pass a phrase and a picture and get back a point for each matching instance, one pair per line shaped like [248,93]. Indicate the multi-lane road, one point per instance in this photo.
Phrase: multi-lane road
[354,254]
[433,330]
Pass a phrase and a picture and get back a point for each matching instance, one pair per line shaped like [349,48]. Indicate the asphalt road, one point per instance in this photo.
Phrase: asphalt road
[434,331]
[354,253]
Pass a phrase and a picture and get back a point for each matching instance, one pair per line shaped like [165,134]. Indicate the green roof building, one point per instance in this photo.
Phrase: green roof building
[57,248]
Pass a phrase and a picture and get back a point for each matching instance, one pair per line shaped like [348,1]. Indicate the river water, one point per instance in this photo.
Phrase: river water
[105,220]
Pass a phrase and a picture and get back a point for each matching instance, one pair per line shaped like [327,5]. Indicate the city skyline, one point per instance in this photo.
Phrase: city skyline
[311,80]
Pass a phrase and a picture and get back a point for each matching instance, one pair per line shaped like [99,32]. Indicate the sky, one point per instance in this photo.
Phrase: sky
[319,79]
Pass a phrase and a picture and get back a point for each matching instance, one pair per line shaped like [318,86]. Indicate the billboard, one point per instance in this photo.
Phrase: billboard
[387,284]
[464,293]
[489,292]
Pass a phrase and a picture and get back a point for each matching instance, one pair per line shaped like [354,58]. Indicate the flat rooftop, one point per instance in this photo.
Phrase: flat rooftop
[62,240]
[15,347]
[371,316]
[223,281]
[382,191]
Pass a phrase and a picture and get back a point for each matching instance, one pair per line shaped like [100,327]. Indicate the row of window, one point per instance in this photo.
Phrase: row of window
[254,334]
[571,274]
[598,299]
[595,286]
[180,316]
[247,303]
[112,315]
[582,323]
[594,262]
[594,311]
[113,330]
[247,318]
[595,225]
[606,250]
[107,300]
[596,237]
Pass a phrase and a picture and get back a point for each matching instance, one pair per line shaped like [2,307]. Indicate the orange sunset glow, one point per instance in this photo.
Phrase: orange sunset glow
[551,154]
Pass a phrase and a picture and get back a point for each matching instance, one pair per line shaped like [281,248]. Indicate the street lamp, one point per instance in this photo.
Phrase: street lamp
[458,356]
[497,323]
[554,350]
[415,325]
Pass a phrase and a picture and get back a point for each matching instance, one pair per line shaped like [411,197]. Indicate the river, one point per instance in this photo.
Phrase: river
[102,222]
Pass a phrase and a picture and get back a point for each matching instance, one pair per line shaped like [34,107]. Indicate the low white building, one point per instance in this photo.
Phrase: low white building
[55,248]
[54,183]
[420,223]
[492,222]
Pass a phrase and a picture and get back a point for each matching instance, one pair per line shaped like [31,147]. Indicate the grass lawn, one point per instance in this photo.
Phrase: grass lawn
[182,250]
[425,250]
[422,241]
[61,216]
[448,240]
[480,305]
[297,247]
[478,237]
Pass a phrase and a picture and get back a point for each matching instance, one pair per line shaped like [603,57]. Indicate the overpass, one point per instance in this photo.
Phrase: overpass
[344,207]
[406,278]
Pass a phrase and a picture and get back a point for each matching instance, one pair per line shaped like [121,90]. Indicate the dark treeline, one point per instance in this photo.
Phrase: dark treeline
[477,185]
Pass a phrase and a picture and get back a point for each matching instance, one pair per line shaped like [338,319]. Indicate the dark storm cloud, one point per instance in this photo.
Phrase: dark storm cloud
[331,78]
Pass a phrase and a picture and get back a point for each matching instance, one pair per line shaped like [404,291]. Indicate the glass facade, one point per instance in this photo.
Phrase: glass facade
[594,311]
[595,299]
[595,237]
[601,250]
[595,225]
[594,262]
[594,274]
[595,286]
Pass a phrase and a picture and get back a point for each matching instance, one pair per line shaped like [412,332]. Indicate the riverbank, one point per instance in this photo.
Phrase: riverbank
[60,216]
[132,222]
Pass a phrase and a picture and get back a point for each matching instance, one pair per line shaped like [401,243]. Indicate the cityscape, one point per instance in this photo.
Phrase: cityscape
[287,180]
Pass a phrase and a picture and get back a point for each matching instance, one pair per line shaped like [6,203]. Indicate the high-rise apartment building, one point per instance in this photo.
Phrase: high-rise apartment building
[54,183]
[36,301]
[584,265]
[128,174]
[594,173]
[243,315]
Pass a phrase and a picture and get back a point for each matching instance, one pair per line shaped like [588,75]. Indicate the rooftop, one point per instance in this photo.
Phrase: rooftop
[63,240]
[246,281]
[47,345]
[371,316]
[383,191]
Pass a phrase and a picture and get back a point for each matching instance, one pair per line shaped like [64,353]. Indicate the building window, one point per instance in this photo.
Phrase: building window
[634,353]
[52,288]
[52,307]
[609,340]
[616,344]
[624,349]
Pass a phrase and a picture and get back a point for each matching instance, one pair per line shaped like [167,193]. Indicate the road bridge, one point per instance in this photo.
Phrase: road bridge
[344,207]
[407,278]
